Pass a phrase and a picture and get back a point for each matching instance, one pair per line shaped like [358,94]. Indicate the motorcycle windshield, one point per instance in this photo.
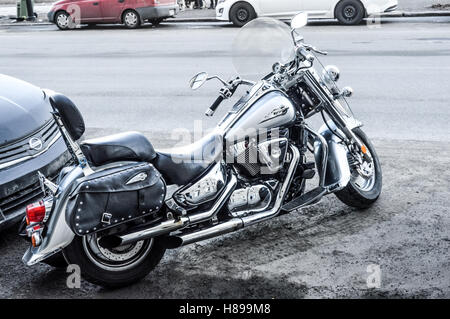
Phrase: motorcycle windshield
[258,45]
[342,106]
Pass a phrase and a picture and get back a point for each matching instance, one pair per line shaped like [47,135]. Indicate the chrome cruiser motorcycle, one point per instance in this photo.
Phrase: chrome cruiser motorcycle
[122,204]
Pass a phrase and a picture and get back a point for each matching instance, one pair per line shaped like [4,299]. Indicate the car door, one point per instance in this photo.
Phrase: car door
[89,10]
[280,8]
[112,9]
[319,8]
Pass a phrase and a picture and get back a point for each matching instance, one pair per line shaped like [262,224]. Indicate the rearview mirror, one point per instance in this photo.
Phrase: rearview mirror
[299,21]
[198,80]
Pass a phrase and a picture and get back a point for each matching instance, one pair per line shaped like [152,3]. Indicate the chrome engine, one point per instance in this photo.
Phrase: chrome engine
[252,198]
[265,158]
[204,190]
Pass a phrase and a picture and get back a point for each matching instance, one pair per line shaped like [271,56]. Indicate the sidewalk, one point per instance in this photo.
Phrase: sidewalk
[407,8]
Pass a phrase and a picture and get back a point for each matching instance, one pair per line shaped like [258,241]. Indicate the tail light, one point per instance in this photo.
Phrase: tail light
[37,215]
[36,212]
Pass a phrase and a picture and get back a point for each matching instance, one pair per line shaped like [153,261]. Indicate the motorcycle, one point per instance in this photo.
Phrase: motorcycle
[122,204]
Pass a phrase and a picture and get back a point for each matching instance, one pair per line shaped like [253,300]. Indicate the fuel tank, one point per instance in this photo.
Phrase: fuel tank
[273,110]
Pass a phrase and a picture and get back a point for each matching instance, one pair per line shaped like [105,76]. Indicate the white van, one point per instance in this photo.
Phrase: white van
[346,11]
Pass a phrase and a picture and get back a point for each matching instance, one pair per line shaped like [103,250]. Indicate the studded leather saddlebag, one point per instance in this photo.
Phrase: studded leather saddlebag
[114,196]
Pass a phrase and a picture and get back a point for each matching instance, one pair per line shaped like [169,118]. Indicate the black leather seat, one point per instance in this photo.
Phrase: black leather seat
[182,165]
[129,146]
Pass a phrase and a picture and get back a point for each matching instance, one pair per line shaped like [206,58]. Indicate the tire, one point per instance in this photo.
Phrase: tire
[62,20]
[355,195]
[56,261]
[112,272]
[156,22]
[350,12]
[131,19]
[242,13]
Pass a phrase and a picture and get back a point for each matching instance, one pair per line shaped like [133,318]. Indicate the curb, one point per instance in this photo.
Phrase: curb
[211,19]
[407,14]
[187,20]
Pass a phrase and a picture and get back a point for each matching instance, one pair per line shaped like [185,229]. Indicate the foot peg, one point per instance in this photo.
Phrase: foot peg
[306,199]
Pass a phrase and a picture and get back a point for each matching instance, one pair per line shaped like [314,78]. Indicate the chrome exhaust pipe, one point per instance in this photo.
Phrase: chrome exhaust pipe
[211,232]
[161,229]
[220,229]
[171,225]
[238,223]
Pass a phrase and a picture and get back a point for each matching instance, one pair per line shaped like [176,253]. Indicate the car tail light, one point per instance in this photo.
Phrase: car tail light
[36,212]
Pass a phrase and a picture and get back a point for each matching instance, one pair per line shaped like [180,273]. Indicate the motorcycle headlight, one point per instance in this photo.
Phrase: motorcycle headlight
[332,73]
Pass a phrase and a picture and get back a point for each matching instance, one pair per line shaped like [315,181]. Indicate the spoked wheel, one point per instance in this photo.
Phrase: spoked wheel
[131,19]
[350,12]
[366,178]
[115,267]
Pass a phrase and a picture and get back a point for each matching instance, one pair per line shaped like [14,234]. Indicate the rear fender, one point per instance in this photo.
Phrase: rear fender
[58,233]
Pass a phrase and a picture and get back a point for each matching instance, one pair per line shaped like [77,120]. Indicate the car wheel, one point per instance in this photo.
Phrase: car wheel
[156,22]
[131,19]
[242,13]
[350,12]
[62,20]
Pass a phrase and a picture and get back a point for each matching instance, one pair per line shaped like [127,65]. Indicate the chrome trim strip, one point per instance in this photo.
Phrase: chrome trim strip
[26,158]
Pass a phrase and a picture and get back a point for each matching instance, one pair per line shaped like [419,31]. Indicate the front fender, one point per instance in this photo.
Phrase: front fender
[58,233]
[337,173]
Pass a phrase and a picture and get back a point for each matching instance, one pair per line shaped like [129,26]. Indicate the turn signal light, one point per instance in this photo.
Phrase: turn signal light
[36,212]
[364,149]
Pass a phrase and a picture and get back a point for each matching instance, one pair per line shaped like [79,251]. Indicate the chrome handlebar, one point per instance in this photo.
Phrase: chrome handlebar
[227,92]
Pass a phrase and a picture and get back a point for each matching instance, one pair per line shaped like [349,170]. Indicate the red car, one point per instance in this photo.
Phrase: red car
[67,14]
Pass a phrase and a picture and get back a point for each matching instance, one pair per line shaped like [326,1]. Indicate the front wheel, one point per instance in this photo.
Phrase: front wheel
[116,267]
[62,20]
[366,179]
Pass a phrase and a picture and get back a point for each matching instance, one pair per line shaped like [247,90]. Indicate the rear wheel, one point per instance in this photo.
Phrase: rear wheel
[115,267]
[242,13]
[366,179]
[131,19]
[350,12]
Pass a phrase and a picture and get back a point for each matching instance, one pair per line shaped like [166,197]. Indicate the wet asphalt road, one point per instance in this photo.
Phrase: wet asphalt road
[137,80]
[124,79]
